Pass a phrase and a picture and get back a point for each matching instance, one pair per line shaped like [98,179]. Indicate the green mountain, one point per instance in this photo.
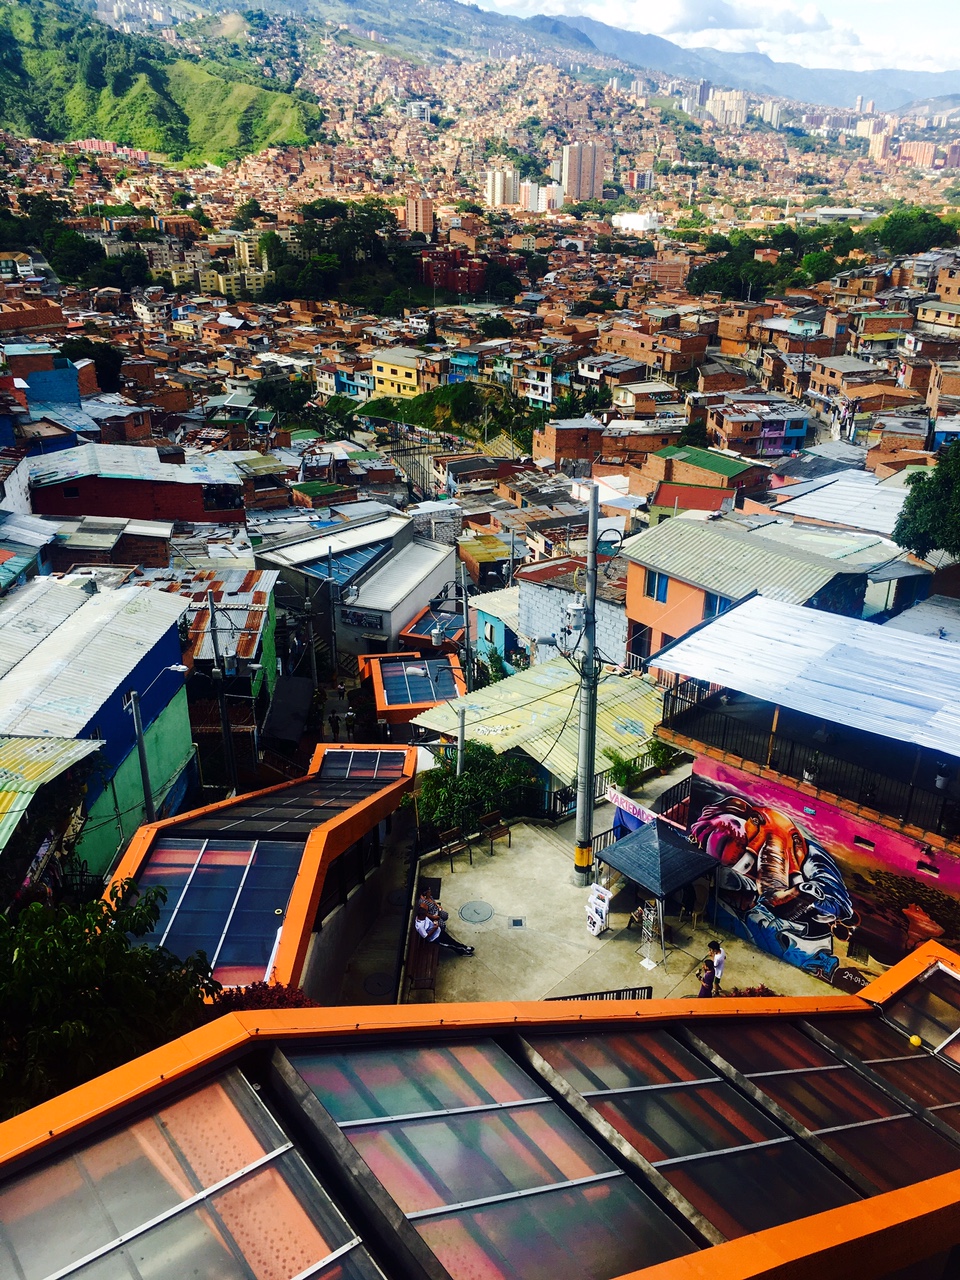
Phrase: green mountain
[64,75]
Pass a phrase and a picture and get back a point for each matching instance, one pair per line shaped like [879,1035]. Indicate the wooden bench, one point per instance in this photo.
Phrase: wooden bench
[453,842]
[422,956]
[493,828]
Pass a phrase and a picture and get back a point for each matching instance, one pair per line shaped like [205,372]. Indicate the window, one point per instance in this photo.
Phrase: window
[71,491]
[712,605]
[640,641]
[488,633]
[655,586]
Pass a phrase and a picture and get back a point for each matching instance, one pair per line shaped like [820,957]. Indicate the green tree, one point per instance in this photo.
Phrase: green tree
[929,520]
[448,801]
[819,265]
[71,254]
[496,327]
[79,994]
[245,213]
[914,230]
[107,359]
[273,251]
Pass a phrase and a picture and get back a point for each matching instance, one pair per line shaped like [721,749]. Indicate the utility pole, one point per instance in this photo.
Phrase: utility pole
[219,674]
[308,610]
[589,679]
[467,655]
[148,806]
[461,737]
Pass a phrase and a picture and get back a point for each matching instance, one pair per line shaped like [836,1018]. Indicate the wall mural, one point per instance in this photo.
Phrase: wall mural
[817,887]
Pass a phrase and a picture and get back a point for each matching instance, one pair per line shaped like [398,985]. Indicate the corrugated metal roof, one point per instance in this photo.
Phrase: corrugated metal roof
[852,504]
[63,651]
[538,712]
[731,562]
[26,764]
[403,572]
[837,669]
[305,550]
[241,602]
[504,605]
[118,461]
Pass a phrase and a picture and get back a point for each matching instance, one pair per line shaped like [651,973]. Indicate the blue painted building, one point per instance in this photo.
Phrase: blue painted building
[496,627]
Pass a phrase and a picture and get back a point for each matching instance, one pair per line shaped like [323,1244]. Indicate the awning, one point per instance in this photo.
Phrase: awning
[658,859]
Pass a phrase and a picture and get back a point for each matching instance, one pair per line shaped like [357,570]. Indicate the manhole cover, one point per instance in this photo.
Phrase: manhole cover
[476,912]
[397,897]
[378,984]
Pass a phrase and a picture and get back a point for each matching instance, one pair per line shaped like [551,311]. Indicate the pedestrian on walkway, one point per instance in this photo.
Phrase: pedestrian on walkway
[349,720]
[341,691]
[707,978]
[335,726]
[434,931]
[719,958]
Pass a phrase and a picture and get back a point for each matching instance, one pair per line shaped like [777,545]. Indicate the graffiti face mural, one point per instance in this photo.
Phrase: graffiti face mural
[784,890]
[821,888]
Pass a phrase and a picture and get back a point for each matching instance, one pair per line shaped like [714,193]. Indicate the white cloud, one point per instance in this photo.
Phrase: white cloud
[854,34]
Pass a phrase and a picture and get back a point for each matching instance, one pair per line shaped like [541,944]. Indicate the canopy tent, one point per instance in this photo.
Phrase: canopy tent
[660,860]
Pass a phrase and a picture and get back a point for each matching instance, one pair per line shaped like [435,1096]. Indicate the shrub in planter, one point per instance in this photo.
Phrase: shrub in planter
[261,995]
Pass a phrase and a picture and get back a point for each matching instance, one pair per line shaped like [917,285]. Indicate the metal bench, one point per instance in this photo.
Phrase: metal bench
[493,828]
[453,842]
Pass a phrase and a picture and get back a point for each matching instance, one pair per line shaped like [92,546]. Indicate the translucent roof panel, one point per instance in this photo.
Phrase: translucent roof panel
[703,1135]
[405,683]
[449,623]
[368,1084]
[226,898]
[928,1008]
[207,1185]
[343,567]
[382,766]
[456,1133]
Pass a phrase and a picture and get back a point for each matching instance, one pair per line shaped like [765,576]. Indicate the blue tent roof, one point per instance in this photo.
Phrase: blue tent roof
[658,858]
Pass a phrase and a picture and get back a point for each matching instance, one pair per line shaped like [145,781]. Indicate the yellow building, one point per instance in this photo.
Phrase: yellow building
[396,371]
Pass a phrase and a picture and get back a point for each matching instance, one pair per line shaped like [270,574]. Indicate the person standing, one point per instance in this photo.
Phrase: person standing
[707,978]
[349,720]
[433,931]
[341,691]
[335,726]
[719,958]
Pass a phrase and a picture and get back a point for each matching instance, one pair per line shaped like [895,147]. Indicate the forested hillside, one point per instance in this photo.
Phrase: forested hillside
[64,75]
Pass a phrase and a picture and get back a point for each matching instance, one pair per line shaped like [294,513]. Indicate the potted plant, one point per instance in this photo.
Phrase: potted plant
[624,771]
[662,755]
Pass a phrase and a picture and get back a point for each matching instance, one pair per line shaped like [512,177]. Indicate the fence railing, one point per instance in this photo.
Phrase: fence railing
[687,710]
[674,803]
[618,993]
[603,841]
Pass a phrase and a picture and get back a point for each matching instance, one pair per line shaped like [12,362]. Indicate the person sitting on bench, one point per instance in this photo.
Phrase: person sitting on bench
[433,931]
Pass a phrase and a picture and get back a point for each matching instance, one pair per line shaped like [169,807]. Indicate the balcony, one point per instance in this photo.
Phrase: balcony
[895,783]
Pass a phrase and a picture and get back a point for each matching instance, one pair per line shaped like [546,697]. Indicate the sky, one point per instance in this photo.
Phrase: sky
[859,34]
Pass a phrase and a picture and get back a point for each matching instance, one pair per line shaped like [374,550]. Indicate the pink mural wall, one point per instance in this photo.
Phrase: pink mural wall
[820,888]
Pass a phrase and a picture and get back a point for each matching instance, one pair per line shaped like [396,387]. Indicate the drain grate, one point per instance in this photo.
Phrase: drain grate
[518,922]
[476,912]
[378,984]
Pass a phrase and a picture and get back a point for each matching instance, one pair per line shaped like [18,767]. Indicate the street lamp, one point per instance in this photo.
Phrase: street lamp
[461,713]
[132,704]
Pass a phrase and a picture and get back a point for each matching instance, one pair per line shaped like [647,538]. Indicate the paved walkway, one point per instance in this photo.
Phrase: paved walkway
[536,943]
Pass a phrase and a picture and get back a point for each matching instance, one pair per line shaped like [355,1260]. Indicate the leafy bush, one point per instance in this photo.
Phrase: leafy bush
[261,995]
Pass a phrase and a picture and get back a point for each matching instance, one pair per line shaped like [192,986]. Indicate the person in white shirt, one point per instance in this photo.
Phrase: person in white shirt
[719,958]
[432,930]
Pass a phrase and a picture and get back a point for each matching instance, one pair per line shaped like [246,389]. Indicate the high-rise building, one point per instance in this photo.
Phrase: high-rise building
[772,114]
[879,147]
[418,110]
[701,93]
[501,187]
[953,156]
[420,214]
[858,107]
[728,106]
[869,107]
[535,198]
[582,171]
[921,154]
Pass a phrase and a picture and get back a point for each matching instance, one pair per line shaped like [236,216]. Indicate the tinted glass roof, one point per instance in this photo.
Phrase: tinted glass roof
[672,1138]
[402,686]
